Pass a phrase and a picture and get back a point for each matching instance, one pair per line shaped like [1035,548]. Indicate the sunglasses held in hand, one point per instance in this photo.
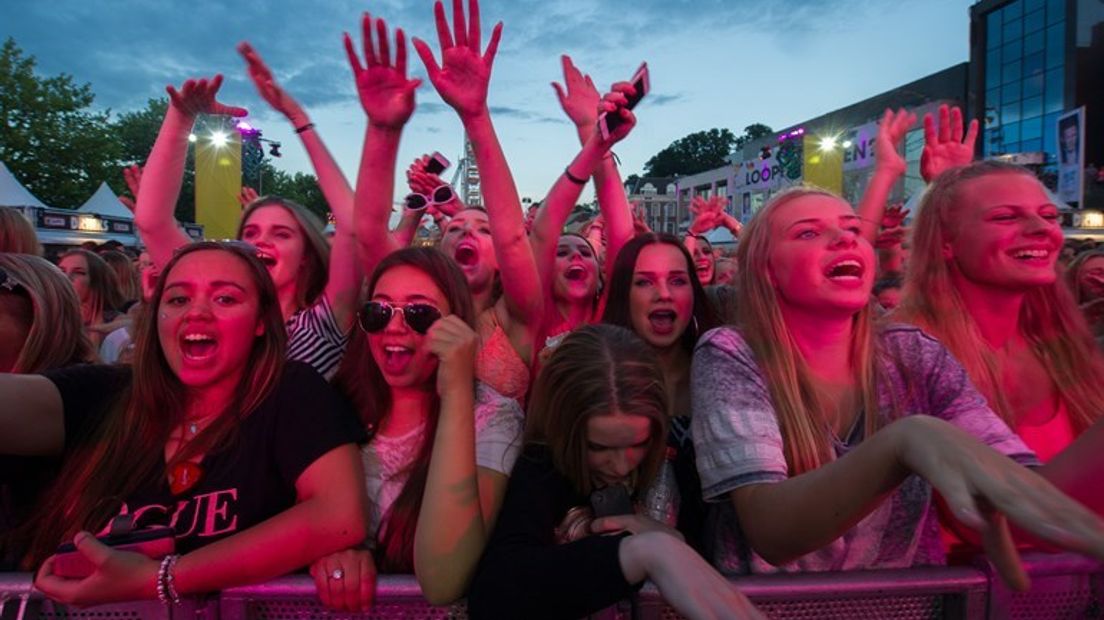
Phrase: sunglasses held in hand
[375,315]
[442,195]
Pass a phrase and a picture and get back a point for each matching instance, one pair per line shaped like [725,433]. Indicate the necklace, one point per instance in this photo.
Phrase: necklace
[185,474]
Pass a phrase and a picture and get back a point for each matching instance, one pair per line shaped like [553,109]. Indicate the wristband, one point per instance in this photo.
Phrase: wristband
[306,127]
[166,588]
[574,179]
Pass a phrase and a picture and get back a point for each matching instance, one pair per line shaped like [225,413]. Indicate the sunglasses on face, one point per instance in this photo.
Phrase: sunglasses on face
[375,315]
[440,196]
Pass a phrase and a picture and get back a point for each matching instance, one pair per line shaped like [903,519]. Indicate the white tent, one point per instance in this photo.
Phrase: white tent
[105,202]
[12,192]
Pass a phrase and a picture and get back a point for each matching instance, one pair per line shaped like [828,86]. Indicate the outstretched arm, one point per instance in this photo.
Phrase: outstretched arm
[561,199]
[888,167]
[462,80]
[343,285]
[387,96]
[164,170]
[580,100]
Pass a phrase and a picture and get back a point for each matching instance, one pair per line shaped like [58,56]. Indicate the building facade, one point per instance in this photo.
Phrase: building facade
[1034,64]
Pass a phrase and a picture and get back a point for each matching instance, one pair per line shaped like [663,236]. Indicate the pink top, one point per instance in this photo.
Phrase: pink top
[497,363]
[1050,437]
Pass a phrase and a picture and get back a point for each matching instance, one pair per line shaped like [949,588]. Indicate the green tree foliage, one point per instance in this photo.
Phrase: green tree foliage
[753,132]
[49,137]
[136,132]
[697,152]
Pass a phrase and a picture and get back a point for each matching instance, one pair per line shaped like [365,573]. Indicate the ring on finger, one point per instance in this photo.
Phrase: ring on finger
[337,574]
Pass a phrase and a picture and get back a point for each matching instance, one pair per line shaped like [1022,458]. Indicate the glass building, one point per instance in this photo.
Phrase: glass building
[1030,61]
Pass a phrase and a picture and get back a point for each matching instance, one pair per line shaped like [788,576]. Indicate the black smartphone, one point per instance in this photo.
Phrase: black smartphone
[437,164]
[640,81]
[611,501]
[153,542]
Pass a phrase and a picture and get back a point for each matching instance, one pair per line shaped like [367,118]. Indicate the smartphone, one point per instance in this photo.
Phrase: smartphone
[153,542]
[437,163]
[607,123]
[611,501]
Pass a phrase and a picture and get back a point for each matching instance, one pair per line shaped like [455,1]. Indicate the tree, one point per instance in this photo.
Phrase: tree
[136,132]
[49,137]
[753,132]
[692,154]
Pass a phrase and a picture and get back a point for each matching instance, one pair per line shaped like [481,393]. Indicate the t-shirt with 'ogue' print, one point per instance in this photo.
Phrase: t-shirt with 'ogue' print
[251,479]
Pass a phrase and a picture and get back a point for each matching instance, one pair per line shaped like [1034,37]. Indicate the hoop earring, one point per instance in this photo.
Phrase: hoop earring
[697,329]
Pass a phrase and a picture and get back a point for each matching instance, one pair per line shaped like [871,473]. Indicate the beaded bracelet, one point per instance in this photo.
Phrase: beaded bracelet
[166,588]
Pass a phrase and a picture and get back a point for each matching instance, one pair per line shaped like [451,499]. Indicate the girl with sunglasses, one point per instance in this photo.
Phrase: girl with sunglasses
[317,295]
[597,421]
[810,419]
[250,458]
[442,445]
[490,246]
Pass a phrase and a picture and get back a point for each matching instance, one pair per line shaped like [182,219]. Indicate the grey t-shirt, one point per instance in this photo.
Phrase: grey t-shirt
[738,442]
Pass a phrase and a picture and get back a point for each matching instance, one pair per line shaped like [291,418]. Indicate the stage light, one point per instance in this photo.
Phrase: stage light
[218,139]
[192,137]
[847,144]
[828,143]
[274,149]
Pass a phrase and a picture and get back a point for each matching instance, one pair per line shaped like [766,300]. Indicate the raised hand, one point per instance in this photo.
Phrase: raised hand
[894,216]
[640,221]
[945,147]
[891,133]
[346,581]
[386,94]
[133,176]
[578,96]
[246,196]
[889,238]
[454,344]
[615,102]
[198,97]
[707,214]
[269,90]
[464,74]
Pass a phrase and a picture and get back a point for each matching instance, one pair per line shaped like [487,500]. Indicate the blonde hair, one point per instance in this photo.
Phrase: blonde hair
[1049,320]
[16,233]
[56,338]
[807,439]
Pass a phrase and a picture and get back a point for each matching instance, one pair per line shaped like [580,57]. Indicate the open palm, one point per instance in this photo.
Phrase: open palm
[465,71]
[386,94]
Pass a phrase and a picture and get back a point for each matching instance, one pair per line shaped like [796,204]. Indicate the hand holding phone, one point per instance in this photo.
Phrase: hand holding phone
[153,542]
[437,163]
[611,501]
[641,83]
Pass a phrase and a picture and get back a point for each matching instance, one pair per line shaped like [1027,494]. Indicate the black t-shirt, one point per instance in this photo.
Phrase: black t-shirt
[524,573]
[248,481]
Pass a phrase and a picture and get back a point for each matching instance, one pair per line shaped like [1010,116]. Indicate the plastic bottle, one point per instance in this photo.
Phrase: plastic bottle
[661,502]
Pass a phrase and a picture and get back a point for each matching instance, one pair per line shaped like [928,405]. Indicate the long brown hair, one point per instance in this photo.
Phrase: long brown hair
[597,370]
[102,286]
[807,441]
[1049,321]
[126,277]
[56,337]
[127,449]
[17,235]
[360,379]
[312,278]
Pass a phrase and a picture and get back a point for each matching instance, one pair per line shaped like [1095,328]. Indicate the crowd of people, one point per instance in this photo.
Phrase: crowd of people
[541,421]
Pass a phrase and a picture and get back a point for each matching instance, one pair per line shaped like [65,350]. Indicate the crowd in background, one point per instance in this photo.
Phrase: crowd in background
[540,421]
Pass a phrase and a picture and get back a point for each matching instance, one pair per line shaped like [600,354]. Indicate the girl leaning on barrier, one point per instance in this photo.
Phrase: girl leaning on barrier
[249,458]
[597,421]
[810,419]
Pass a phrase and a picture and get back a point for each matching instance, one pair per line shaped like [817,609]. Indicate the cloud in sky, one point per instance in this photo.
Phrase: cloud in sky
[714,63]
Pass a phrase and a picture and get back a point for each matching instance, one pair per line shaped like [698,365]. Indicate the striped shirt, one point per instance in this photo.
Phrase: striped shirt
[315,338]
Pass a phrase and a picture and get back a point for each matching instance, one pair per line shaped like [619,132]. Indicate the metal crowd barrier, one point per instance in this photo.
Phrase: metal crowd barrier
[1063,586]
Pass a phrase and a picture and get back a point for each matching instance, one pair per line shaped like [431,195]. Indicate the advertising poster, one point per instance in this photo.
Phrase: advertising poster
[1071,155]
